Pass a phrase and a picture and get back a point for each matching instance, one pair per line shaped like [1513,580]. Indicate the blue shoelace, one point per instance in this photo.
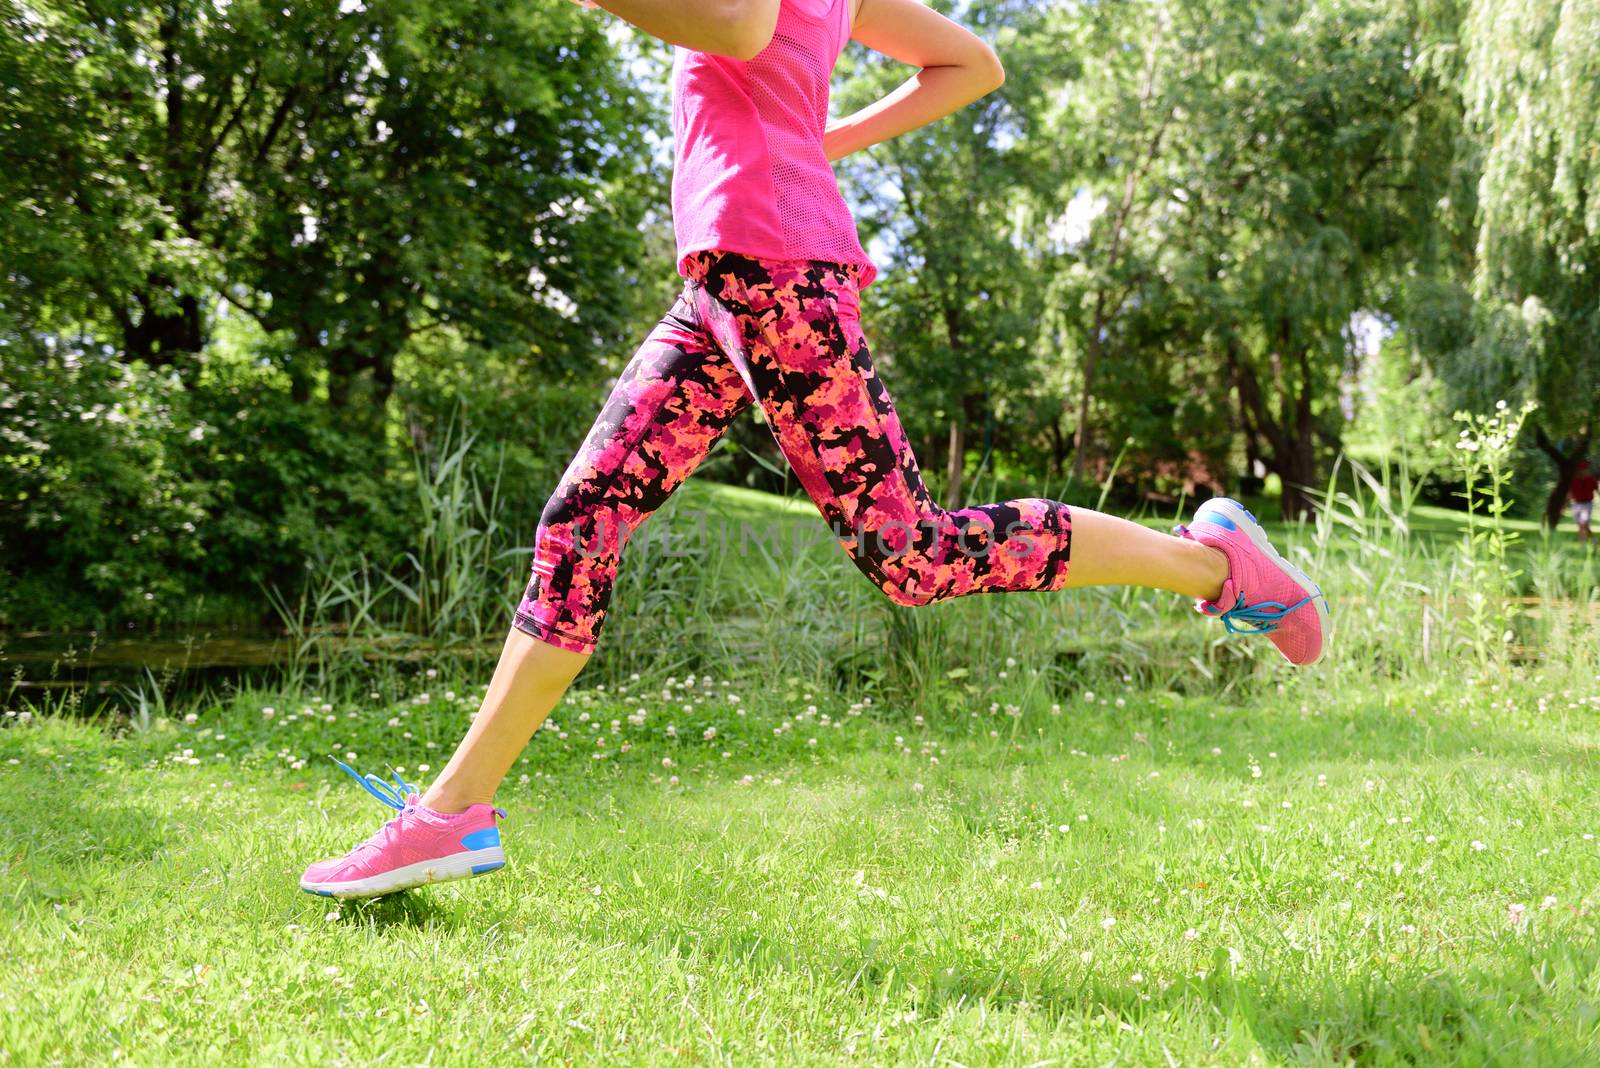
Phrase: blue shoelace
[393,796]
[1263,618]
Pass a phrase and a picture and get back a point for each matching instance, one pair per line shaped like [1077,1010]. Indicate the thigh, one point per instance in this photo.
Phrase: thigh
[794,331]
[671,403]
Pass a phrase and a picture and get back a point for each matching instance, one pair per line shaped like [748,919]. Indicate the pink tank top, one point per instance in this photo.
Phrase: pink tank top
[750,174]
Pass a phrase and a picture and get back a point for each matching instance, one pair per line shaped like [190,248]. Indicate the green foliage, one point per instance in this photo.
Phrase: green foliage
[286,247]
[351,176]
[955,317]
[1532,94]
[98,517]
[1485,449]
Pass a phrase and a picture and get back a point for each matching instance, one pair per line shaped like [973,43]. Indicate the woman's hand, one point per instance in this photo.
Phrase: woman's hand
[957,68]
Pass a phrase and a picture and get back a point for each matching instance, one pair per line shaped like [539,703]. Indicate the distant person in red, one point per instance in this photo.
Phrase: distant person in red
[1582,493]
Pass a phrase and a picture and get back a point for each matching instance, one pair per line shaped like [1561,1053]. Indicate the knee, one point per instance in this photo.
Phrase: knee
[895,562]
[910,594]
[570,526]
[562,509]
[903,586]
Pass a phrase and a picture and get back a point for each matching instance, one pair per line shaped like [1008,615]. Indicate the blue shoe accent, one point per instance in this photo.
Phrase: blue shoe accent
[489,836]
[1207,514]
[493,865]
[319,893]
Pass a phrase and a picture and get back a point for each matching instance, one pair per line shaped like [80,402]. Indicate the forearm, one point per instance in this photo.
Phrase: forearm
[954,68]
[738,28]
[927,96]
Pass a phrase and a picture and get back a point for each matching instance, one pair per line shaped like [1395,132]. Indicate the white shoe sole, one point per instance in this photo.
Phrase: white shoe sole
[1235,514]
[443,870]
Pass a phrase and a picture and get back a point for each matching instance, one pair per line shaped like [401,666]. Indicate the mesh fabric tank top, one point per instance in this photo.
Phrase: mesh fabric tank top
[750,175]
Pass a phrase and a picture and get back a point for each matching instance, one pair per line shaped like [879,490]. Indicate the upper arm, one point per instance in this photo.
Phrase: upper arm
[749,24]
[757,21]
[912,33]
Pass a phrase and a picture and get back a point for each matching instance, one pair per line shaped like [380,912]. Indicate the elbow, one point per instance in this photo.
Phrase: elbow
[747,27]
[991,75]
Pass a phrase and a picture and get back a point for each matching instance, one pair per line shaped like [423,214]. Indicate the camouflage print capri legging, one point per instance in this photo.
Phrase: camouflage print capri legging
[786,334]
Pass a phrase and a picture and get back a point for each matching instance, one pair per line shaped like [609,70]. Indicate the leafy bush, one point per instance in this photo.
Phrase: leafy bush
[99,515]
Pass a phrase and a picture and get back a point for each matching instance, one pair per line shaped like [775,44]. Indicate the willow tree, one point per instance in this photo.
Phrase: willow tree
[1531,86]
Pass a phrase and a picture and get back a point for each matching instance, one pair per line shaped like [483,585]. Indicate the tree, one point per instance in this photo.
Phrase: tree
[1292,189]
[1108,131]
[347,175]
[1531,87]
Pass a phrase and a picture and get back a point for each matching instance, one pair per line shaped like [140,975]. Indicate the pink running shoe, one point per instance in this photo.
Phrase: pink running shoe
[1264,593]
[417,847]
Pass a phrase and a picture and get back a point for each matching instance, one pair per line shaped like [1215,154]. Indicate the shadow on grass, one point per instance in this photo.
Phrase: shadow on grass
[1529,1009]
[63,831]
[409,910]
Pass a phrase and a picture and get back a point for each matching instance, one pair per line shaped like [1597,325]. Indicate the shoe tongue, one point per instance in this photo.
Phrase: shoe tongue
[416,810]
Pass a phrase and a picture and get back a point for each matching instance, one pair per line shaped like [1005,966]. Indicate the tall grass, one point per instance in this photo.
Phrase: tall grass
[694,595]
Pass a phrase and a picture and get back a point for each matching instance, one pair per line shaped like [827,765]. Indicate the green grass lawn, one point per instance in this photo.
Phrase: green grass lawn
[1142,879]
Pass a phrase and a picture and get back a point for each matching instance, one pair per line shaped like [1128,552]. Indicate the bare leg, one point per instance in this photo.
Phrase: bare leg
[1107,551]
[529,680]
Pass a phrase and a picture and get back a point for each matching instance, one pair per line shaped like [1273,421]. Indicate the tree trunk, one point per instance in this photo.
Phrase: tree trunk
[1296,467]
[159,339]
[1566,466]
[955,461]
[1091,360]
[1291,438]
[1058,445]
